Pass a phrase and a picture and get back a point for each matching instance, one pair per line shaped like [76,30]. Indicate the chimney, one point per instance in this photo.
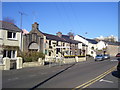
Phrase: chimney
[59,34]
[71,37]
[35,26]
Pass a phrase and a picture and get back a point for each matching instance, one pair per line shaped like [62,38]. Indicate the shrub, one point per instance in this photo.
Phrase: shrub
[31,56]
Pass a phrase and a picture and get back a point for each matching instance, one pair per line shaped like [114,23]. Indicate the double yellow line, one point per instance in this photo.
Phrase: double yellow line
[84,85]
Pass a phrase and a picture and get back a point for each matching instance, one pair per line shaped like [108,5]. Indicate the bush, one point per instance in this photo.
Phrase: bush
[31,56]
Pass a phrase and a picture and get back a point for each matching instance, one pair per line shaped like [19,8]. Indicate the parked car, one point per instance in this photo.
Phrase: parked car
[106,56]
[118,55]
[118,66]
[99,57]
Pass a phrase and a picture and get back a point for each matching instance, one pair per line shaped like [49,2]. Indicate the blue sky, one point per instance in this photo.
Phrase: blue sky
[95,18]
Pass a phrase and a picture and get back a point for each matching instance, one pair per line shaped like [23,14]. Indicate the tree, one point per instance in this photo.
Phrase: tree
[70,33]
[9,19]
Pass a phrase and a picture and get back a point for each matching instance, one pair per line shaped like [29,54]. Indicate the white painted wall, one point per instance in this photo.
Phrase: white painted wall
[89,50]
[10,42]
[78,38]
[101,45]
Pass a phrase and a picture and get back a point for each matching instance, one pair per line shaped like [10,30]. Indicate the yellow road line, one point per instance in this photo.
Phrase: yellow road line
[98,78]
[95,79]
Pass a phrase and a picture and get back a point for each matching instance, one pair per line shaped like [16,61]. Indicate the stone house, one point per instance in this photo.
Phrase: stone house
[34,40]
[50,45]
[10,40]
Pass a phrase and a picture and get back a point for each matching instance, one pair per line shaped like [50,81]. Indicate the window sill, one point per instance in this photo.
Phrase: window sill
[12,39]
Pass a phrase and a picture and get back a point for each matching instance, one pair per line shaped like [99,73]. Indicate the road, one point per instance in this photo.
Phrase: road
[87,74]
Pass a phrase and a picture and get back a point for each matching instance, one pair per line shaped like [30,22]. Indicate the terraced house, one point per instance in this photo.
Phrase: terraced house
[10,40]
[51,45]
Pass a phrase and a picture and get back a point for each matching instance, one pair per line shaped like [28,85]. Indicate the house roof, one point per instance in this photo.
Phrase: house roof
[92,41]
[89,40]
[54,37]
[64,38]
[9,26]
[67,38]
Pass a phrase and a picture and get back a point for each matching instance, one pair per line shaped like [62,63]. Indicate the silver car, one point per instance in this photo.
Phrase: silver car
[99,57]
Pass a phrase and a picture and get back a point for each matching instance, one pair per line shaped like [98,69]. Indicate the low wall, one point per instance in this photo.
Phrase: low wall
[72,60]
[30,64]
[69,60]
[34,64]
[81,59]
[2,66]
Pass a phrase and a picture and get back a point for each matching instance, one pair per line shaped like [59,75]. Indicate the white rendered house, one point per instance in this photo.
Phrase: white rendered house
[90,43]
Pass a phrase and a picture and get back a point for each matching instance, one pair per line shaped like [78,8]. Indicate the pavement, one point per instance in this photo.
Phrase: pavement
[65,76]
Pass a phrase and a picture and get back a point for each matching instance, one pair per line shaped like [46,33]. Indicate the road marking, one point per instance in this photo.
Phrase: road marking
[32,75]
[103,80]
[84,85]
[43,73]
[13,78]
[114,60]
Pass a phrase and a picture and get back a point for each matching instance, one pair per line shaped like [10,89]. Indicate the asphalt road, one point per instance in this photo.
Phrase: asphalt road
[88,74]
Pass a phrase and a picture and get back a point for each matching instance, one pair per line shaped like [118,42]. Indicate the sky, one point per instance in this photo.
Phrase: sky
[95,18]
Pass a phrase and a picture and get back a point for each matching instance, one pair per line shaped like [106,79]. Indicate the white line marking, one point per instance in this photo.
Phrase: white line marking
[43,73]
[114,60]
[102,80]
[13,78]
[32,75]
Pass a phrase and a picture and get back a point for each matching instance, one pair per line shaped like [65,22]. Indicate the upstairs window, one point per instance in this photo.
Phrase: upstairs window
[11,35]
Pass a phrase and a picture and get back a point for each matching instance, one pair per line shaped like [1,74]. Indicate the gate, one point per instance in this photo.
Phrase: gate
[12,64]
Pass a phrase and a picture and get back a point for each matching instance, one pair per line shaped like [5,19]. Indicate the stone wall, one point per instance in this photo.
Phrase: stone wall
[112,50]
[34,64]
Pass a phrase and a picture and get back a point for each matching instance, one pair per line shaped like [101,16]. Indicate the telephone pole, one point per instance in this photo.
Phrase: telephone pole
[21,14]
[21,45]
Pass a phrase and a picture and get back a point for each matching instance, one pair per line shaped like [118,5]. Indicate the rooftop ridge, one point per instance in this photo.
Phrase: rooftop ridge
[6,22]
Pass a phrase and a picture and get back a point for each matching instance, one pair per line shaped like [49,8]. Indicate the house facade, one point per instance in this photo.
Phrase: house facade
[10,40]
[34,40]
[91,45]
[51,45]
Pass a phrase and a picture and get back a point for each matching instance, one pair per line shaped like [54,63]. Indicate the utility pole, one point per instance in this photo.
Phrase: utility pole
[21,13]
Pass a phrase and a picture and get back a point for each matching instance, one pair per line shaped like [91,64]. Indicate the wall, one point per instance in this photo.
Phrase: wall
[10,42]
[89,50]
[112,50]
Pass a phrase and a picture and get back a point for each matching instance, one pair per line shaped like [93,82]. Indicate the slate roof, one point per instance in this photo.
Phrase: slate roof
[92,41]
[67,38]
[54,37]
[9,26]
[64,38]
[89,40]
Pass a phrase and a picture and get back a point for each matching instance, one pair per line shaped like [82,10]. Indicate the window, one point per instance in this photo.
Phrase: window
[45,52]
[50,42]
[57,50]
[49,53]
[11,35]
[10,53]
[14,35]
